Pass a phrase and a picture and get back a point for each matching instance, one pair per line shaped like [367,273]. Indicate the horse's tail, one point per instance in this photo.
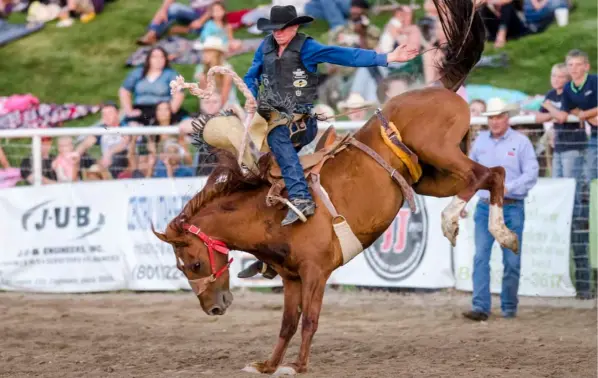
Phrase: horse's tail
[465,35]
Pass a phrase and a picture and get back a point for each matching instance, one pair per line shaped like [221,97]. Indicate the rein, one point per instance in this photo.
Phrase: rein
[348,112]
[250,105]
[201,284]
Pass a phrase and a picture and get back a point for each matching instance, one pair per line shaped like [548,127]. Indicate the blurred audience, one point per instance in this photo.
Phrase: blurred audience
[358,32]
[171,163]
[84,10]
[96,173]
[141,158]
[170,12]
[335,12]
[145,87]
[66,164]
[113,146]
[48,173]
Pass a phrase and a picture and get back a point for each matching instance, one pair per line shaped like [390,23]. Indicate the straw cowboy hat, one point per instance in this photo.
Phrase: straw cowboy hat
[354,101]
[282,17]
[212,43]
[498,106]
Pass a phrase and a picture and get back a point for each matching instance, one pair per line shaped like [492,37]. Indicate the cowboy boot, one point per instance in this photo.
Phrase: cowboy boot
[306,206]
[258,267]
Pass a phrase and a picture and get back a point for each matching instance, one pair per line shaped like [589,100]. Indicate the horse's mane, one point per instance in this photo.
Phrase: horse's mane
[226,178]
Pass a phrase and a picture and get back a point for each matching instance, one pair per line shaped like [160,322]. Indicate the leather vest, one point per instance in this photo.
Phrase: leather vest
[286,76]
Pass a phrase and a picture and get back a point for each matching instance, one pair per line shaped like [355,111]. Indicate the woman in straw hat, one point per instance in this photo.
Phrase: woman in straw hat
[213,54]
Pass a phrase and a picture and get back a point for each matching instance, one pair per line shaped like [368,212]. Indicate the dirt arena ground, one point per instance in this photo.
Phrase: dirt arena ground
[361,334]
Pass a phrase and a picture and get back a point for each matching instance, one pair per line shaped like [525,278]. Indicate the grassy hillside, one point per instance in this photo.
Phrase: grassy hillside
[85,63]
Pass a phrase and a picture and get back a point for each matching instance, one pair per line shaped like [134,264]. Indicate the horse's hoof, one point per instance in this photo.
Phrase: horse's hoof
[257,368]
[450,230]
[284,371]
[511,242]
[251,369]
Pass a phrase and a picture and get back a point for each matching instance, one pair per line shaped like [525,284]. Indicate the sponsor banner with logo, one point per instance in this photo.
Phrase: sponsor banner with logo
[150,262]
[97,237]
[545,254]
[62,238]
[411,253]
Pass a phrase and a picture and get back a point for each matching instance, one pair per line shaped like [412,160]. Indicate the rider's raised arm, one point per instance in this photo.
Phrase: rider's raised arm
[314,53]
[253,76]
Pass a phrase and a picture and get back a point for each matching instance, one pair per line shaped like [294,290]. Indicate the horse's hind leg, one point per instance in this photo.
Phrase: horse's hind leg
[462,178]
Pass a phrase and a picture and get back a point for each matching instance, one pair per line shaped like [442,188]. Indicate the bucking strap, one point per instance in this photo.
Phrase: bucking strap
[405,187]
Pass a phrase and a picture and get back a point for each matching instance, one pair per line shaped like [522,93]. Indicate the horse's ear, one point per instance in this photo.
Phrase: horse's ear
[159,235]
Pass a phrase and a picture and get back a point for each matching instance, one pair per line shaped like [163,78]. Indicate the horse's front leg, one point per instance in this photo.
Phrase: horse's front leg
[312,295]
[290,320]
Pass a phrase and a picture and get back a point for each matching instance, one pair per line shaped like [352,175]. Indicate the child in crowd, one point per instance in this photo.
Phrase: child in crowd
[216,25]
[84,10]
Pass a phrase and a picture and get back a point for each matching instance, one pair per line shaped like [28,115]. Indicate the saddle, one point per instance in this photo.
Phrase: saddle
[325,146]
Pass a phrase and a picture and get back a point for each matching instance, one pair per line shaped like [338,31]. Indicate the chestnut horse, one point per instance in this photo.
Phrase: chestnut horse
[230,212]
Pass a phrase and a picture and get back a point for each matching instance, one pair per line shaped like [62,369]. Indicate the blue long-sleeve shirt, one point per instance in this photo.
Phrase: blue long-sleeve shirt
[313,53]
[515,153]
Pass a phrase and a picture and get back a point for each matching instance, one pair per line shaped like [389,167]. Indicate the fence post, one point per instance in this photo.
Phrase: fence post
[36,147]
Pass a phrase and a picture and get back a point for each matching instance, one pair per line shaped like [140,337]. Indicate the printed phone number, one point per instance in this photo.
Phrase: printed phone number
[156,272]
[540,280]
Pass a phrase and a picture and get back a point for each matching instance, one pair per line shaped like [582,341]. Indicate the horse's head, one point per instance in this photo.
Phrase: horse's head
[204,261]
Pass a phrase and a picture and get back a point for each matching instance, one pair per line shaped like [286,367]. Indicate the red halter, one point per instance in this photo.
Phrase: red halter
[200,285]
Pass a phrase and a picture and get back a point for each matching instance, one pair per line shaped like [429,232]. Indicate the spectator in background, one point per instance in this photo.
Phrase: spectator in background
[502,21]
[216,26]
[477,107]
[163,117]
[358,32]
[113,146]
[141,158]
[580,98]
[96,173]
[353,104]
[66,164]
[570,140]
[171,163]
[501,146]
[335,12]
[193,15]
[85,10]
[540,13]
[3,160]
[213,54]
[48,173]
[145,87]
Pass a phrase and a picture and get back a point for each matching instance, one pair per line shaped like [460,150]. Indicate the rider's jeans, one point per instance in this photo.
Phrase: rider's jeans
[286,156]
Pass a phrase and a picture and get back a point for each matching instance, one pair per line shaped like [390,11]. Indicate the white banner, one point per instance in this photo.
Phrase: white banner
[150,261]
[61,238]
[545,253]
[412,252]
[96,236]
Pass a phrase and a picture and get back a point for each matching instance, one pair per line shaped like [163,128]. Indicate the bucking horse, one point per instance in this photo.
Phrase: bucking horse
[360,181]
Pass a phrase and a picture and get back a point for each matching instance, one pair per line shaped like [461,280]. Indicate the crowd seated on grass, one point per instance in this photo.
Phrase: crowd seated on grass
[145,87]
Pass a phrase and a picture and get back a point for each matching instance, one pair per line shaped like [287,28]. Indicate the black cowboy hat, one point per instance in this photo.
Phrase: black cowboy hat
[282,17]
